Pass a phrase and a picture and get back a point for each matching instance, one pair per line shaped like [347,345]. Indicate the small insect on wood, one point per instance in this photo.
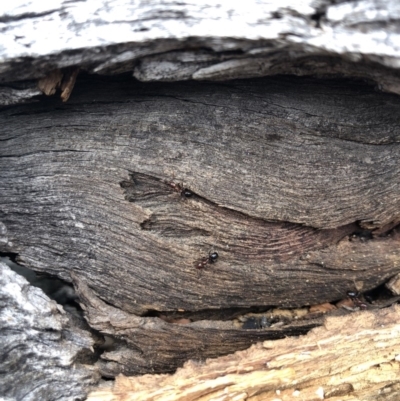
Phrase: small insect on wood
[354,296]
[185,192]
[202,263]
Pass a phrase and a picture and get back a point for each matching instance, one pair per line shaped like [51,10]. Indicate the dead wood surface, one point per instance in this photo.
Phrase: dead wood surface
[349,358]
[45,355]
[152,344]
[294,183]
[279,186]
[290,180]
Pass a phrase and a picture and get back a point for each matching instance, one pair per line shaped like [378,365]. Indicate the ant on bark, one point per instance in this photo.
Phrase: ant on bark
[185,192]
[354,296]
[203,262]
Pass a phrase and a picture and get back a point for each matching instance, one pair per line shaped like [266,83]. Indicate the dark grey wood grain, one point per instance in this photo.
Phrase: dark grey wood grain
[295,183]
[281,170]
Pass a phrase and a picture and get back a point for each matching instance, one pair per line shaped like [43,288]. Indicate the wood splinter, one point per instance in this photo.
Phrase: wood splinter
[65,80]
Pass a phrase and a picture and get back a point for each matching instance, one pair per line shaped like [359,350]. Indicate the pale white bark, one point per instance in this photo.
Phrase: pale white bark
[39,345]
[166,40]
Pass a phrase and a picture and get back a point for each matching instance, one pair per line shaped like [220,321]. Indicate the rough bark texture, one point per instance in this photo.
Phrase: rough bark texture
[166,40]
[357,358]
[44,353]
[85,188]
[128,187]
[91,192]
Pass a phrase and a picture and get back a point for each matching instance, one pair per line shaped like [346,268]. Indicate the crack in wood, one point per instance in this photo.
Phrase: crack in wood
[239,235]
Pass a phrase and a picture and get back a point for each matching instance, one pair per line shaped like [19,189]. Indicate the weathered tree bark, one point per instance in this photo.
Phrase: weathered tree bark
[45,355]
[166,40]
[90,188]
[128,187]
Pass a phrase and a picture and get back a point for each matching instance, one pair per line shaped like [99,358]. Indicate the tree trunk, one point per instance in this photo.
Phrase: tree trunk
[197,218]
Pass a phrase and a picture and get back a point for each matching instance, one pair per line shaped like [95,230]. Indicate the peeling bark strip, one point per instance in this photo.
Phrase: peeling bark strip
[149,344]
[270,170]
[350,358]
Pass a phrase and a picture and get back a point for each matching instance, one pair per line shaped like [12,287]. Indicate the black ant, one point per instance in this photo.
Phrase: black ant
[185,193]
[202,263]
[354,296]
